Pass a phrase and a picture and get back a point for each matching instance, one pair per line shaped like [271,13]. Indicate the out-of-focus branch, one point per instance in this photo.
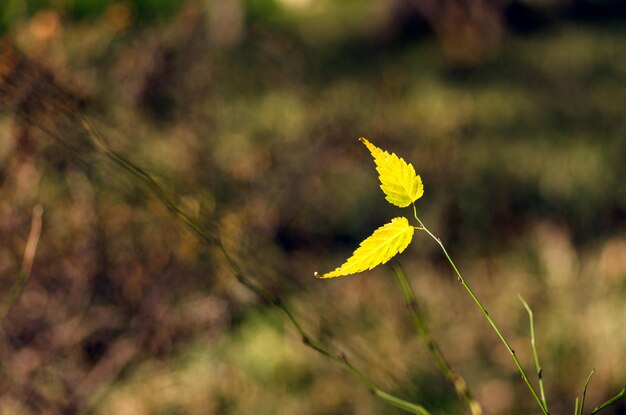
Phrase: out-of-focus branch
[56,113]
[451,375]
[27,263]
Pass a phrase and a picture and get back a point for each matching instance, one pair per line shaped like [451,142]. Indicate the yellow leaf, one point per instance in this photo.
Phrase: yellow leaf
[397,177]
[386,242]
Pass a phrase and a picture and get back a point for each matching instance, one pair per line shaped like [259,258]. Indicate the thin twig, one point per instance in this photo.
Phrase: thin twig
[533,345]
[27,262]
[582,399]
[484,311]
[434,350]
[609,402]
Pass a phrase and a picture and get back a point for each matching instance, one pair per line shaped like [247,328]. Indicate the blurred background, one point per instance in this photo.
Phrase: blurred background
[248,113]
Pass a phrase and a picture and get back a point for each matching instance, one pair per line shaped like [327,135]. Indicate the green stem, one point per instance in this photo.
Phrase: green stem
[484,311]
[533,344]
[582,399]
[358,375]
[609,402]
[435,352]
[214,240]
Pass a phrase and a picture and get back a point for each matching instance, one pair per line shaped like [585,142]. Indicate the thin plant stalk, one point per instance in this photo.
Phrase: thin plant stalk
[609,402]
[576,406]
[483,310]
[584,394]
[214,240]
[434,350]
[27,263]
[533,344]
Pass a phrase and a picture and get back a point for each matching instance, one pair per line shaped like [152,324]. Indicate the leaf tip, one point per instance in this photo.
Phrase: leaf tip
[324,276]
[371,147]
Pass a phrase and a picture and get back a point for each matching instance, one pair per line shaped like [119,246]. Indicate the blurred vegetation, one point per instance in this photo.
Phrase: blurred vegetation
[249,113]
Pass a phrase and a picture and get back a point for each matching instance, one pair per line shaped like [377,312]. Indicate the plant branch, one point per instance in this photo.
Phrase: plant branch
[533,345]
[435,352]
[582,399]
[609,402]
[484,312]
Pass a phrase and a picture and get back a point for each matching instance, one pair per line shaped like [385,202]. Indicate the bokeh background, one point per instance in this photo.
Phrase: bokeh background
[248,113]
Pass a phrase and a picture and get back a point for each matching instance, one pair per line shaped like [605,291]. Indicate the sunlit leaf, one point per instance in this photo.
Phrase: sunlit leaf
[397,177]
[386,242]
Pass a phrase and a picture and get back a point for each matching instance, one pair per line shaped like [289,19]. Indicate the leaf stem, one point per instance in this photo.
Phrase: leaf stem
[485,313]
[435,352]
[533,344]
[609,402]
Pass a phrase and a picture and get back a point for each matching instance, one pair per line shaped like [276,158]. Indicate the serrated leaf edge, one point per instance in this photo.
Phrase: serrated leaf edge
[383,161]
[406,233]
